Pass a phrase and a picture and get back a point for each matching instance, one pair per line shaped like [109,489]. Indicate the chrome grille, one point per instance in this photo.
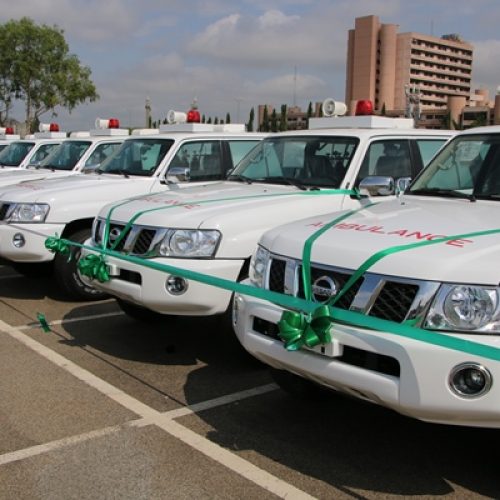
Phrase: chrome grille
[376,295]
[138,240]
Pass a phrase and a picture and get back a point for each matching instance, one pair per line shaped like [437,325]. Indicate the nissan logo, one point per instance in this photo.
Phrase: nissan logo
[323,288]
[114,234]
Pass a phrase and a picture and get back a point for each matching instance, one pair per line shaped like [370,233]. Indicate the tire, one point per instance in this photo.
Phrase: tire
[297,386]
[67,275]
[33,270]
[142,314]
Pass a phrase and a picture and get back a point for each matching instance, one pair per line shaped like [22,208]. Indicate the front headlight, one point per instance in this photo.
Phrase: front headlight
[465,308]
[258,266]
[190,243]
[27,212]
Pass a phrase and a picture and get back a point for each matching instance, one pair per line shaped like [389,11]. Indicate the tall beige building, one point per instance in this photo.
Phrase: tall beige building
[384,66]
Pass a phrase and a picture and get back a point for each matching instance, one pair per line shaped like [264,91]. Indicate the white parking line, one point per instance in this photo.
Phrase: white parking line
[32,451]
[164,421]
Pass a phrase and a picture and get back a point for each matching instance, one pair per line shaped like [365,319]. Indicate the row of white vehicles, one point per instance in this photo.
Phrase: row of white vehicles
[308,222]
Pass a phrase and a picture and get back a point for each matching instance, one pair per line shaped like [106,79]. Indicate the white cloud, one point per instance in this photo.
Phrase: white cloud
[485,72]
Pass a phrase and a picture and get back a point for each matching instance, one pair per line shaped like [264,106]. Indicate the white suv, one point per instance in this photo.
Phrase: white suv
[214,229]
[411,290]
[147,162]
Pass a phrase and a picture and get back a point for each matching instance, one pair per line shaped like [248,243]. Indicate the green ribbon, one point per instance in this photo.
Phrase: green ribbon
[43,322]
[94,267]
[295,327]
[298,330]
[339,316]
[57,245]
[305,319]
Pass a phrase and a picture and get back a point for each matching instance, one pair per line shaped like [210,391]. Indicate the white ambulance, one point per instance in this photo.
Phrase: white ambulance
[19,154]
[51,155]
[414,285]
[149,161]
[214,229]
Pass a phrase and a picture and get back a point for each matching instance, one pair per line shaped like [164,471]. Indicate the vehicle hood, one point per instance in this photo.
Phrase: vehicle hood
[9,177]
[75,186]
[349,243]
[241,212]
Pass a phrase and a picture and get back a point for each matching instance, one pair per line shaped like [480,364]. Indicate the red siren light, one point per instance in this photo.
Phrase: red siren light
[193,115]
[364,107]
[54,127]
[113,123]
[9,130]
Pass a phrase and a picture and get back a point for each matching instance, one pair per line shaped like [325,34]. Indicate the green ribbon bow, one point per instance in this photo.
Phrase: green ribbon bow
[94,267]
[297,329]
[57,245]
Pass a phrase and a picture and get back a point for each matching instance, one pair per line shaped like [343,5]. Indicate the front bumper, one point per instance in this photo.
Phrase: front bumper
[147,287]
[406,375]
[34,235]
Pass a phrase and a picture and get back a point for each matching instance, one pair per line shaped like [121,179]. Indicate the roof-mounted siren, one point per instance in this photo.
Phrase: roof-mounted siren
[330,107]
[48,127]
[7,133]
[176,117]
[364,107]
[49,131]
[107,124]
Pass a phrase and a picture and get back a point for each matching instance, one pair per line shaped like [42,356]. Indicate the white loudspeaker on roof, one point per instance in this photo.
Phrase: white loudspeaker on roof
[176,117]
[330,107]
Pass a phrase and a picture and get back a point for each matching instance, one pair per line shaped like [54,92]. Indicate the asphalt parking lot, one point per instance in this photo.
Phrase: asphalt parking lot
[102,406]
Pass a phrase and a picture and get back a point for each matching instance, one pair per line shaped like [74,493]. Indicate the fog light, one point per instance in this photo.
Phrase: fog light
[18,240]
[470,380]
[176,285]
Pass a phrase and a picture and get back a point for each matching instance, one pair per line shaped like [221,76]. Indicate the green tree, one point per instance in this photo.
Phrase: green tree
[274,121]
[37,68]
[228,118]
[251,118]
[264,127]
[283,118]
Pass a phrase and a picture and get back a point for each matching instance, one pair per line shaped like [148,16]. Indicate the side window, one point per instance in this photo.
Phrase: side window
[239,149]
[388,158]
[428,148]
[202,158]
[101,152]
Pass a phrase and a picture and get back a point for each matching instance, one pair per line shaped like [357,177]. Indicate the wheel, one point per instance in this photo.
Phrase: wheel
[67,275]
[297,386]
[33,270]
[140,313]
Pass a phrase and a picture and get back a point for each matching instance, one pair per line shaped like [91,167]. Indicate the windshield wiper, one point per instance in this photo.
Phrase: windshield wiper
[240,178]
[448,193]
[284,180]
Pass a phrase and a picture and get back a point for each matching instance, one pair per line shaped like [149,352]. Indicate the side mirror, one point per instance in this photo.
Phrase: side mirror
[177,174]
[402,185]
[375,185]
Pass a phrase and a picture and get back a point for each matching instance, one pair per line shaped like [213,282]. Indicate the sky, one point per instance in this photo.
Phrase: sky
[233,55]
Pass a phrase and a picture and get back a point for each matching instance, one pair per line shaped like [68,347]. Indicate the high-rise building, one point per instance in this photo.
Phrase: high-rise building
[395,70]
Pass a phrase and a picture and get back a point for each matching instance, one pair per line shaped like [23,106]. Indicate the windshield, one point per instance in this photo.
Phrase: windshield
[468,166]
[66,155]
[42,152]
[15,153]
[308,161]
[137,157]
